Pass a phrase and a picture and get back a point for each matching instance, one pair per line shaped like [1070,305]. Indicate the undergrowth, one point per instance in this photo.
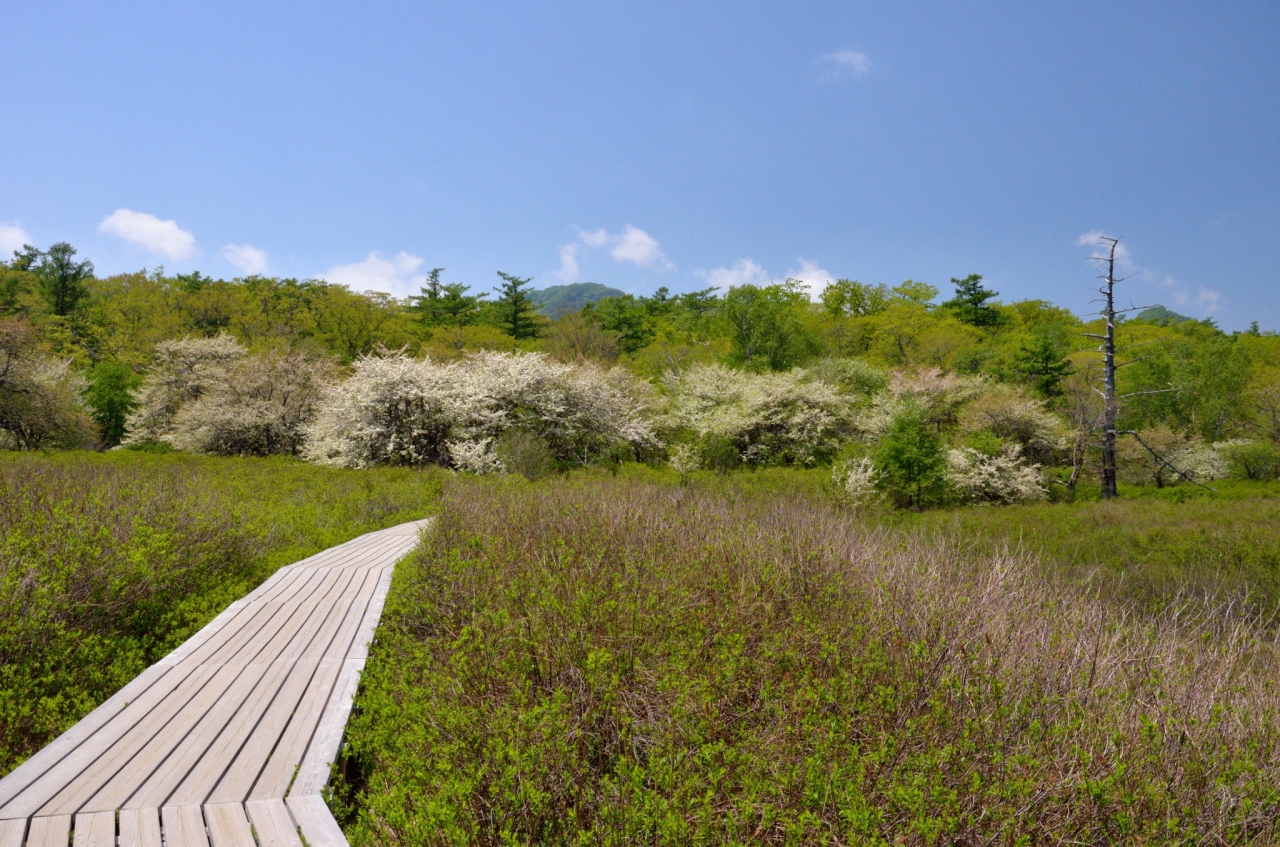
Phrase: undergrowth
[613,661]
[107,562]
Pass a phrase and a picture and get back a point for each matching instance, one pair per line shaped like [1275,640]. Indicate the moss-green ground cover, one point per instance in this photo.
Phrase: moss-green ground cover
[108,561]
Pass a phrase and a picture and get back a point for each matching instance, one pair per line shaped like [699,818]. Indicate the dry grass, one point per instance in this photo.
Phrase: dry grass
[617,662]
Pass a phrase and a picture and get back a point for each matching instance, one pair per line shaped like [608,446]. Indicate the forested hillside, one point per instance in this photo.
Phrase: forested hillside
[869,376]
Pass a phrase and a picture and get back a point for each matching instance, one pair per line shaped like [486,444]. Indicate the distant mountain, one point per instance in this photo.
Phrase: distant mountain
[557,300]
[1160,316]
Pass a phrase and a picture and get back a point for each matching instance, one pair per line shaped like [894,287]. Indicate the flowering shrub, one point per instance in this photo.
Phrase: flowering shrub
[181,372]
[932,393]
[41,401]
[855,482]
[1002,478]
[260,409]
[771,418]
[1008,414]
[403,411]
[1188,453]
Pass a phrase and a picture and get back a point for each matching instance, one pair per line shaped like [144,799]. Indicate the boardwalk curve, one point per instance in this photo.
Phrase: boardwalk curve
[231,735]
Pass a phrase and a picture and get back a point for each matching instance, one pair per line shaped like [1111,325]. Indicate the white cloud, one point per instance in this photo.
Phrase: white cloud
[636,245]
[843,63]
[1203,301]
[814,277]
[163,237]
[390,276]
[246,257]
[741,272]
[12,237]
[631,245]
[568,263]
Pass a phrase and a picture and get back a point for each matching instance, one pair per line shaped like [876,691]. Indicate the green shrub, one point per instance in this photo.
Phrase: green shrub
[606,661]
[911,462]
[109,561]
[1258,460]
[526,454]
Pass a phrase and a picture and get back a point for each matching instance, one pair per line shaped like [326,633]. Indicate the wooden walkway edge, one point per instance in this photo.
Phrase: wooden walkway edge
[228,740]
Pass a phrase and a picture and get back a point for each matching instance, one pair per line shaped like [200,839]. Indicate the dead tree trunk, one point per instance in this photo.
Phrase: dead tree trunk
[1110,408]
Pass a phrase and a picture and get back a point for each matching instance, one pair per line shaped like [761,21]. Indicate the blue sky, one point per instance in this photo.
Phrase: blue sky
[649,144]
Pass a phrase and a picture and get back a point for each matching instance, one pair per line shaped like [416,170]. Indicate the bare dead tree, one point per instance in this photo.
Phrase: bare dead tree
[1110,400]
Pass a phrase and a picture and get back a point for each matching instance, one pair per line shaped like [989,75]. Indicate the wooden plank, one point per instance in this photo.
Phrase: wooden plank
[280,770]
[314,770]
[319,829]
[140,828]
[50,831]
[183,827]
[11,832]
[273,824]
[228,826]
[238,780]
[53,781]
[95,829]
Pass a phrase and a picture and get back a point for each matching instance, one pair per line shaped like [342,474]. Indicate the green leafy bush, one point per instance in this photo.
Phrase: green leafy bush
[107,562]
[604,661]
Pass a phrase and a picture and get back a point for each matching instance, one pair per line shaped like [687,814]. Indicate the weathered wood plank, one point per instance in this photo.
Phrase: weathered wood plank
[95,829]
[319,829]
[184,827]
[140,828]
[274,825]
[11,832]
[228,826]
[49,831]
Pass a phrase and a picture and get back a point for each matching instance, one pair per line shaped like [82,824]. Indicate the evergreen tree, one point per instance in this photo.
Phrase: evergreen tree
[970,302]
[446,304]
[1041,363]
[513,309]
[61,280]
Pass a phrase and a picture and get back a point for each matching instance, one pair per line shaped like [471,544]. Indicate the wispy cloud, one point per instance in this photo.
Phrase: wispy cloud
[246,257]
[814,277]
[390,276]
[163,237]
[1197,299]
[632,245]
[12,237]
[843,64]
[741,272]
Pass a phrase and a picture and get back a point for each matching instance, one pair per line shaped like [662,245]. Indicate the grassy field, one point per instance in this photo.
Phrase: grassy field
[623,660]
[108,561]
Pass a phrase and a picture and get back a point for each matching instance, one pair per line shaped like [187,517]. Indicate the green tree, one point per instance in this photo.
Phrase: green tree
[852,299]
[630,319]
[765,325]
[110,397]
[1043,365]
[446,304]
[970,302]
[513,310]
[910,462]
[62,280]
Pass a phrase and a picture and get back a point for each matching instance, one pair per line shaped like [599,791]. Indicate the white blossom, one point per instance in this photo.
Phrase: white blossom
[771,418]
[855,482]
[181,372]
[1002,478]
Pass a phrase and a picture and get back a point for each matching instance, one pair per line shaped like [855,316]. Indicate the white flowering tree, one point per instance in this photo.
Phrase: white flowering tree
[1001,478]
[261,409]
[770,418]
[403,411]
[41,403]
[181,372]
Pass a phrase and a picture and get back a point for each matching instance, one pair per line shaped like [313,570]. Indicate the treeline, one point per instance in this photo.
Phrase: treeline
[66,333]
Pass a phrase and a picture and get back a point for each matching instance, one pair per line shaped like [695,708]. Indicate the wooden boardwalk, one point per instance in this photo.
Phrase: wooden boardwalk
[230,736]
